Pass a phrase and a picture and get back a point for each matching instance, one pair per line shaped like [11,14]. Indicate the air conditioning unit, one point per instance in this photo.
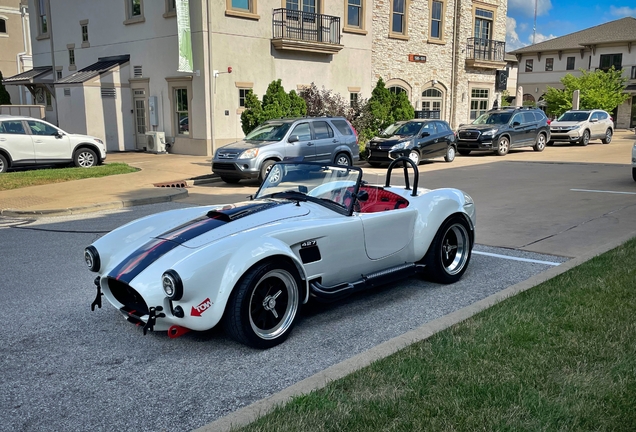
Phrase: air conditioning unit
[156,142]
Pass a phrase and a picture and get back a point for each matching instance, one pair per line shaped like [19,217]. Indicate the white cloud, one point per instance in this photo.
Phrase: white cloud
[541,37]
[512,38]
[624,11]
[526,7]
[523,26]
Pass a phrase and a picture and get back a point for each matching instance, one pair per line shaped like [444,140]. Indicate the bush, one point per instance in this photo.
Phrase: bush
[5,97]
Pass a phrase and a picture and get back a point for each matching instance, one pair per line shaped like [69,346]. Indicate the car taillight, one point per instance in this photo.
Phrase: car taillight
[549,121]
[354,131]
[611,118]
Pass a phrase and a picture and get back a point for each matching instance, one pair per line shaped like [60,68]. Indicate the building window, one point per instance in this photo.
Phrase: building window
[134,11]
[549,64]
[242,5]
[483,23]
[171,6]
[71,57]
[3,26]
[353,99]
[85,33]
[181,111]
[43,20]
[59,75]
[354,13]
[478,102]
[242,95]
[570,63]
[529,64]
[398,17]
[431,103]
[437,27]
[135,8]
[397,90]
[49,101]
[609,60]
[633,75]
[528,100]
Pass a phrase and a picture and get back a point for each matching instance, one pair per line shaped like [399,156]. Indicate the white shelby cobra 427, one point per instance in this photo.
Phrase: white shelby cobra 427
[312,231]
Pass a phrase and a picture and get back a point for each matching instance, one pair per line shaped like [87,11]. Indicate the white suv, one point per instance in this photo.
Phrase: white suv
[581,126]
[28,141]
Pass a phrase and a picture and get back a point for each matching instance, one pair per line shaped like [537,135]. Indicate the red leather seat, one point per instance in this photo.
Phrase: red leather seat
[381,200]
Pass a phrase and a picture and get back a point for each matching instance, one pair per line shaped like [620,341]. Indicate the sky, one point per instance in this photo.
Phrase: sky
[559,17]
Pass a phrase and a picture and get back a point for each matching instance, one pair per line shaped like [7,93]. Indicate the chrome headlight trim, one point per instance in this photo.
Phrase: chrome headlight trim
[172,285]
[249,154]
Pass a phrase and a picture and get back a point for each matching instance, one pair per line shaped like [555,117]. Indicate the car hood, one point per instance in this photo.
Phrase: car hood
[245,145]
[480,127]
[82,137]
[390,141]
[208,226]
[564,123]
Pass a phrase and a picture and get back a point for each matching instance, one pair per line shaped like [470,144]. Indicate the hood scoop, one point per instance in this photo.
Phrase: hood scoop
[240,210]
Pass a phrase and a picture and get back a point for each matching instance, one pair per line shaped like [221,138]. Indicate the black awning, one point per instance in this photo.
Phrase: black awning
[33,76]
[102,65]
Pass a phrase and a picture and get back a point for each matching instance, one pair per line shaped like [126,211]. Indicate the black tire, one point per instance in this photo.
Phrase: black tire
[414,155]
[4,165]
[608,136]
[448,256]
[539,145]
[450,153]
[85,158]
[230,180]
[343,159]
[374,164]
[503,146]
[585,139]
[265,169]
[262,309]
[550,143]
[463,152]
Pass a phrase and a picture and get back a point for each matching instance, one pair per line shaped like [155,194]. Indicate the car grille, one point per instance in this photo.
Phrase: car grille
[471,135]
[227,155]
[126,295]
[223,166]
[378,155]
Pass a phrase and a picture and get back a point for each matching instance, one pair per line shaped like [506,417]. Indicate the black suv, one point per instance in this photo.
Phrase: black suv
[502,129]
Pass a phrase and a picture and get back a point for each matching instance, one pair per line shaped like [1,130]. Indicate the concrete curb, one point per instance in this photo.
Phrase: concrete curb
[258,409]
[178,194]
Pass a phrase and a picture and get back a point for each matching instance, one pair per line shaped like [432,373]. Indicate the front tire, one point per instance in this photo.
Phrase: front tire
[415,157]
[539,146]
[85,158]
[266,168]
[608,136]
[585,139]
[448,256]
[262,309]
[503,146]
[343,159]
[450,154]
[4,165]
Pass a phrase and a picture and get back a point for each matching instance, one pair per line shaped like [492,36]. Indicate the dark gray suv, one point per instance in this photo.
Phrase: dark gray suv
[312,139]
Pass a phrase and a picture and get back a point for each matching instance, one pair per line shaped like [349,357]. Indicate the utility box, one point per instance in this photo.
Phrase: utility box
[154,111]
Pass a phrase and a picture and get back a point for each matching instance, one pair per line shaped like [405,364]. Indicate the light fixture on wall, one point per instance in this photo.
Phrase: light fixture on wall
[536,90]
[434,82]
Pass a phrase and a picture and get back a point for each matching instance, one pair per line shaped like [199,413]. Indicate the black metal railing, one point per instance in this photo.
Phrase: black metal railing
[485,49]
[305,26]
[428,114]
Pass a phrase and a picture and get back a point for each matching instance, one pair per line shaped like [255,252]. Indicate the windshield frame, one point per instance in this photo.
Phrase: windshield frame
[287,167]
[273,124]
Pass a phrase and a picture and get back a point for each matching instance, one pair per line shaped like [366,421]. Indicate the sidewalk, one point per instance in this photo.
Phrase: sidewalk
[177,171]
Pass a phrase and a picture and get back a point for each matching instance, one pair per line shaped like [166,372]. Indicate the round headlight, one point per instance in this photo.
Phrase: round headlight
[172,285]
[91,257]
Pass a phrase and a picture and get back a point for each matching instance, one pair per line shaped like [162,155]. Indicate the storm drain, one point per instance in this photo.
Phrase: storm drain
[173,184]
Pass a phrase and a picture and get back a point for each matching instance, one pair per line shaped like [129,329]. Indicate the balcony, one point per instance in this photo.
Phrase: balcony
[304,31]
[485,53]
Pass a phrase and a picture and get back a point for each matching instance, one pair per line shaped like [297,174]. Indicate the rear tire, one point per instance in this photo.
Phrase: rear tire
[463,152]
[4,165]
[450,154]
[585,139]
[608,136]
[85,158]
[539,146]
[262,309]
[230,180]
[448,256]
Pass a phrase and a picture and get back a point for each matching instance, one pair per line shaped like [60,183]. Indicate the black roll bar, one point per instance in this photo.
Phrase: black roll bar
[416,173]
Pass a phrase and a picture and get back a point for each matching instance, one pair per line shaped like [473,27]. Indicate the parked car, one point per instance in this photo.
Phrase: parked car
[581,126]
[315,232]
[634,162]
[502,129]
[26,141]
[314,139]
[417,139]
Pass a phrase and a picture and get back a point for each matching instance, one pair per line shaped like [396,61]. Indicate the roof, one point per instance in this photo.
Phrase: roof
[29,77]
[622,30]
[510,58]
[102,65]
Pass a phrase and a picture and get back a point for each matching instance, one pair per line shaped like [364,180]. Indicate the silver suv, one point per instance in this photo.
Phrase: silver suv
[581,126]
[312,139]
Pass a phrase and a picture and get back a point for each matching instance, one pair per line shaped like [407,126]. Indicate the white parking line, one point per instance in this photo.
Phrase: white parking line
[516,258]
[602,191]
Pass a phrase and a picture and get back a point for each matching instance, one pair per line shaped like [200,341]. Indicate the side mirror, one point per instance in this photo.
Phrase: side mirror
[59,134]
[594,120]
[362,196]
[424,134]
[515,124]
[293,139]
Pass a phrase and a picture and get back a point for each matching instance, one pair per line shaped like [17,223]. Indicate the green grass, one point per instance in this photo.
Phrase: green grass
[558,357]
[20,179]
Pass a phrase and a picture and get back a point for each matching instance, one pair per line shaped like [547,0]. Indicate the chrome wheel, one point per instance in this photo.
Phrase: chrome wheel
[274,174]
[3,164]
[85,159]
[503,146]
[608,137]
[540,145]
[343,160]
[585,139]
[273,304]
[415,157]
[455,249]
[450,154]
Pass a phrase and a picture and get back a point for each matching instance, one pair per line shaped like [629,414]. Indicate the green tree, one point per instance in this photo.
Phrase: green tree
[5,97]
[598,90]
[386,108]
[276,104]
[504,98]
[253,114]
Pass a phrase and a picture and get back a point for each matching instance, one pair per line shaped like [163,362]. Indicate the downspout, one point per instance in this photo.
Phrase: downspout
[455,43]
[18,57]
[50,13]
[211,80]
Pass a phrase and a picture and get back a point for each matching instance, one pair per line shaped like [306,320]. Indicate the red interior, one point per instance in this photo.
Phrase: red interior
[381,200]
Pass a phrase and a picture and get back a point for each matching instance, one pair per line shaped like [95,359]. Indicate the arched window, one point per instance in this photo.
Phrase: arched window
[528,100]
[432,102]
[397,90]
[3,26]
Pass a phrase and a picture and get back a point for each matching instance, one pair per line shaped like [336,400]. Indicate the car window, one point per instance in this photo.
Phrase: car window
[342,126]
[322,130]
[430,128]
[39,128]
[268,132]
[302,131]
[517,118]
[442,127]
[602,116]
[493,118]
[539,115]
[594,116]
[12,127]
[528,117]
[409,129]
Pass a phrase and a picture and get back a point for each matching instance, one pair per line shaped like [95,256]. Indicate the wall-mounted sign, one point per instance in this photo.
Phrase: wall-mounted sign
[417,58]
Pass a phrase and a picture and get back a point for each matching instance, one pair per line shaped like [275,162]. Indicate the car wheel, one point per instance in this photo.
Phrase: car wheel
[540,144]
[585,139]
[375,164]
[343,159]
[85,158]
[265,169]
[449,254]
[415,157]
[463,152]
[608,137]
[450,154]
[230,180]
[503,146]
[261,311]
[4,165]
